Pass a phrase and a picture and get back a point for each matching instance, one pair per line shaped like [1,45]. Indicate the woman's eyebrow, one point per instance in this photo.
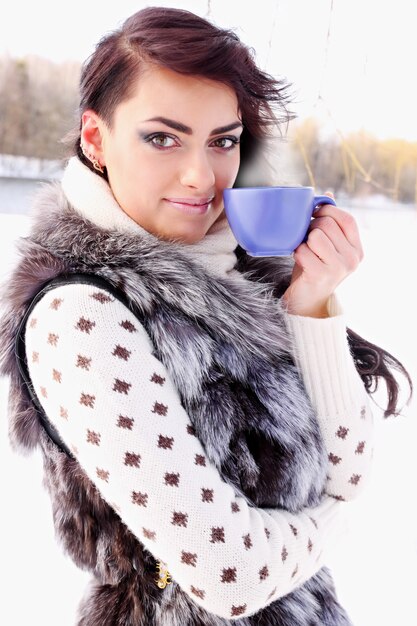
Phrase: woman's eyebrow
[188,131]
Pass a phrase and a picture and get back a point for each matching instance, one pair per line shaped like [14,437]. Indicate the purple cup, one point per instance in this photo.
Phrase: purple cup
[271,221]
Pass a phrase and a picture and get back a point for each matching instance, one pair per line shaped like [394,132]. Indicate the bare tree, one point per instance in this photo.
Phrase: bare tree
[38,104]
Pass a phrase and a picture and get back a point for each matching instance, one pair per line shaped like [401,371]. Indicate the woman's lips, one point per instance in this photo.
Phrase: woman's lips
[197,206]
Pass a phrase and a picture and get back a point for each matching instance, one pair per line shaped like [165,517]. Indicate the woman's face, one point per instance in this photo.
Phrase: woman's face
[171,150]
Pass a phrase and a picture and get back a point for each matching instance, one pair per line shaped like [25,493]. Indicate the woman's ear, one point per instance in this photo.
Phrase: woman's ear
[92,127]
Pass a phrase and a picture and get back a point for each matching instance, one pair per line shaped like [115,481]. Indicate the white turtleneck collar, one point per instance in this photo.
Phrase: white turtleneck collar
[91,196]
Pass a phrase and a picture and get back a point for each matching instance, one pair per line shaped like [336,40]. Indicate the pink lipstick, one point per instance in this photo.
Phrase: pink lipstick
[191,206]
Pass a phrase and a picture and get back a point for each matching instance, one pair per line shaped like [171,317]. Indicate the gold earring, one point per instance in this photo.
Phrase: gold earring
[92,159]
[97,165]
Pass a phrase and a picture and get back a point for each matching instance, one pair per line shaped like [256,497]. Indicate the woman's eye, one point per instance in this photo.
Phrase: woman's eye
[226,143]
[161,140]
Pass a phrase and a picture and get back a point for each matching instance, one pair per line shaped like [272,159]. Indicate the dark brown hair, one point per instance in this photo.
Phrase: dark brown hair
[373,363]
[188,44]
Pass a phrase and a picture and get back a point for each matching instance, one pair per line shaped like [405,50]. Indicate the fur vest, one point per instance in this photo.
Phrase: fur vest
[227,339]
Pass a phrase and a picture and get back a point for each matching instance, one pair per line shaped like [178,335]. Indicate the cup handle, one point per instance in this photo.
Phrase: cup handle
[317,201]
[322,200]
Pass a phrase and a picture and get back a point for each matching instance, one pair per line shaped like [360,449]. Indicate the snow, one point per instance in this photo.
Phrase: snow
[374,567]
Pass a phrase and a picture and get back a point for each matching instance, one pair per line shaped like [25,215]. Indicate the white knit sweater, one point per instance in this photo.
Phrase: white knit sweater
[114,405]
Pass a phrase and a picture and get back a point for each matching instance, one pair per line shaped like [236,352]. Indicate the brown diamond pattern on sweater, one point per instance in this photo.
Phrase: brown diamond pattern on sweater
[363,412]
[157,379]
[355,478]
[85,325]
[267,533]
[35,357]
[217,534]
[342,432]
[132,459]
[179,519]
[314,522]
[172,479]
[191,430]
[149,534]
[165,442]
[141,499]
[159,408]
[295,571]
[188,558]
[198,592]
[200,459]
[87,400]
[128,326]
[56,376]
[360,447]
[103,474]
[273,592]
[238,610]
[247,541]
[44,392]
[53,339]
[33,322]
[93,437]
[122,353]
[101,297]
[333,458]
[263,573]
[294,530]
[207,495]
[83,362]
[125,422]
[235,507]
[63,412]
[284,554]
[121,386]
[336,497]
[56,303]
[228,575]
[309,545]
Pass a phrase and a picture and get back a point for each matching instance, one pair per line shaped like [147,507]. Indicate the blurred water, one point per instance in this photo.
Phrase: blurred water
[374,570]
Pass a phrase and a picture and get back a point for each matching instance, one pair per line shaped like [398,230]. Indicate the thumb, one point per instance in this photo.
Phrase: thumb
[329,193]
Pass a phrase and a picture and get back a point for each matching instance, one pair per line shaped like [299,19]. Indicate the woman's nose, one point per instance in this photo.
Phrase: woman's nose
[197,172]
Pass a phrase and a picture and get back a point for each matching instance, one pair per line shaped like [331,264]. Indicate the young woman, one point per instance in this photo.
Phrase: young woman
[201,417]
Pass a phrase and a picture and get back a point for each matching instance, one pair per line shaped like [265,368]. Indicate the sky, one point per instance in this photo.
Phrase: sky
[348,60]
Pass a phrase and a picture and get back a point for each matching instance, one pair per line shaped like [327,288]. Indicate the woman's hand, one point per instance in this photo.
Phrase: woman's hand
[333,250]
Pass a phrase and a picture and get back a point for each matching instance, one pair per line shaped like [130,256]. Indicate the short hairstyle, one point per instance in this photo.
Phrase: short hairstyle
[188,44]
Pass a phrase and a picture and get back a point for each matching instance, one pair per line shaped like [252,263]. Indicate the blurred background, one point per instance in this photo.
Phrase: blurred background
[355,134]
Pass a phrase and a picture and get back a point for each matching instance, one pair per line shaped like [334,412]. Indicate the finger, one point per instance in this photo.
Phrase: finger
[330,194]
[345,221]
[310,263]
[323,247]
[332,230]
[334,249]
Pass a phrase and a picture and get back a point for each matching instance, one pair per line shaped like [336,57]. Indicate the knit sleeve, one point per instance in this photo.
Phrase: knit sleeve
[338,394]
[114,405]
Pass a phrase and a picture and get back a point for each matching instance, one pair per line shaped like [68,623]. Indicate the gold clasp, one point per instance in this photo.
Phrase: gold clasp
[162,581]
